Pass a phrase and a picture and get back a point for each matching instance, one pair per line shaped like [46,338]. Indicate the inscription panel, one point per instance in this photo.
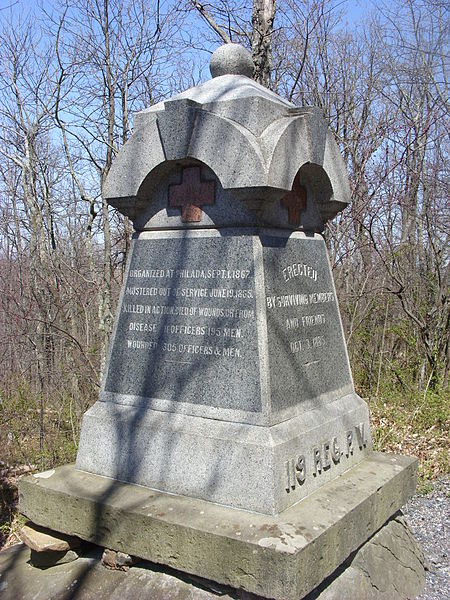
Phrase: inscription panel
[324,456]
[306,346]
[187,328]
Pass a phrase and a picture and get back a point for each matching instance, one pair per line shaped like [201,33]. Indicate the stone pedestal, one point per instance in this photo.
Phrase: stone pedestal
[227,394]
[228,378]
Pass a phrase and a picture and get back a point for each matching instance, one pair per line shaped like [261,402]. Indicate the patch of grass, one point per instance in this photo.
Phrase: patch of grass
[10,530]
[25,440]
[10,520]
[415,424]
[27,447]
[424,487]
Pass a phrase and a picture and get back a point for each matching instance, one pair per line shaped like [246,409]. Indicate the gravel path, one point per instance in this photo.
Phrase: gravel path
[429,519]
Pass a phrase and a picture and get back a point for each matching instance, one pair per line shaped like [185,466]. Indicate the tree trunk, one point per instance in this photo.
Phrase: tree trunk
[263,15]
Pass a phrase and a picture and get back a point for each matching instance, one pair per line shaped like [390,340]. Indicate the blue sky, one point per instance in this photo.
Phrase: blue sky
[355,9]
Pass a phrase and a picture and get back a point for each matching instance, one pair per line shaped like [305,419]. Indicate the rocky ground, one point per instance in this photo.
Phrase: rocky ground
[429,519]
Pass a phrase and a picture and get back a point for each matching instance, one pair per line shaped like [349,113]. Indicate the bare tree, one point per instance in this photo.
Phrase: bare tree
[232,22]
[105,70]
[263,15]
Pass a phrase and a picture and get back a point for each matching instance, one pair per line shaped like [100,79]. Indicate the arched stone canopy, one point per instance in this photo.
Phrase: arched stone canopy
[253,140]
[224,211]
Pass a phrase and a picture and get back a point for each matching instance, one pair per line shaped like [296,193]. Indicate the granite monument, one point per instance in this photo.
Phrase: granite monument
[227,394]
[228,361]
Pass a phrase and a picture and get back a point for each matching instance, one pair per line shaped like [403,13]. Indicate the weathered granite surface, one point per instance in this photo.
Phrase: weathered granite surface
[231,58]
[172,342]
[283,557]
[244,323]
[235,464]
[227,364]
[307,352]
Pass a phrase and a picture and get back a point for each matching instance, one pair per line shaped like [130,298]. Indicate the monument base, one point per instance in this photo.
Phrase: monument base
[283,557]
[240,465]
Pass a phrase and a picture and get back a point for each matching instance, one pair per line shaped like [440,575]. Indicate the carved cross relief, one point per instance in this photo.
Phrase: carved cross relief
[295,202]
[191,194]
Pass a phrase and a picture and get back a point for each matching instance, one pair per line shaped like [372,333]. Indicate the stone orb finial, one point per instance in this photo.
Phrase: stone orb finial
[231,59]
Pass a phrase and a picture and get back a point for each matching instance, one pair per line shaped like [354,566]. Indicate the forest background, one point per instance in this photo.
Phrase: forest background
[73,72]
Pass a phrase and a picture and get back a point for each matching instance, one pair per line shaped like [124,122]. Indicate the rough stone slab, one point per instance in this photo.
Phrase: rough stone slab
[282,557]
[43,560]
[390,565]
[40,539]
[87,579]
